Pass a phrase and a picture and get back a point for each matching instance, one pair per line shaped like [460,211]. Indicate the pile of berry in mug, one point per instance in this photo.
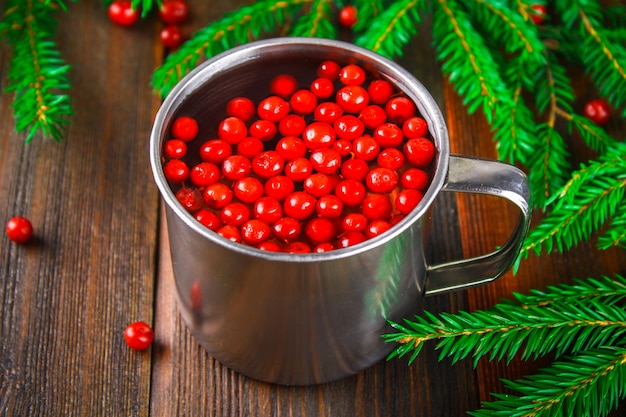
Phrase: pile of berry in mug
[315,165]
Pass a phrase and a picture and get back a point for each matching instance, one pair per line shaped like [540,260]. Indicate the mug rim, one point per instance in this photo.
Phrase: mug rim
[402,79]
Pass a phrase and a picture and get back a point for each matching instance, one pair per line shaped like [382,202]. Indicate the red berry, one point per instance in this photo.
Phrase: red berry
[352,98]
[217,195]
[320,230]
[248,189]
[326,161]
[241,107]
[230,232]
[297,247]
[287,229]
[208,219]
[175,149]
[318,185]
[414,178]
[19,229]
[171,36]
[184,128]
[322,88]
[419,152]
[268,209]
[291,147]
[415,127]
[354,222]
[270,246]
[298,169]
[262,129]
[303,102]
[121,13]
[279,187]
[342,146]
[268,164]
[329,206]
[174,12]
[365,148]
[355,169]
[318,135]
[538,13]
[407,200]
[391,158]
[348,16]
[327,112]
[348,239]
[255,231]
[235,214]
[350,192]
[352,74]
[189,198]
[598,111]
[372,116]
[232,129]
[215,151]
[328,69]
[138,335]
[323,247]
[399,109]
[176,171]
[283,85]
[389,135]
[291,125]
[380,91]
[273,108]
[349,127]
[376,207]
[204,173]
[299,205]
[381,180]
[376,228]
[235,167]
[249,147]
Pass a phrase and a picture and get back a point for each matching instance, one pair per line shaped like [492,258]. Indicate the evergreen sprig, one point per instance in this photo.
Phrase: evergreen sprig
[582,324]
[38,76]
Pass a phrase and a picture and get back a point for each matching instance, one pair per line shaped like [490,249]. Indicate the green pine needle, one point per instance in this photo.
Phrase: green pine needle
[589,384]
[240,26]
[38,75]
[317,22]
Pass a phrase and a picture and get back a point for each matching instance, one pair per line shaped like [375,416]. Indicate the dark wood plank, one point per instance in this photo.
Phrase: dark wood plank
[67,297]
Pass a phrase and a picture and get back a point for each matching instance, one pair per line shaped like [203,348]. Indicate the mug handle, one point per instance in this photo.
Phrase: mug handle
[475,175]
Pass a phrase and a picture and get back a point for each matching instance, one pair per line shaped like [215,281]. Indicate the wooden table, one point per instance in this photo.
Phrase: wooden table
[100,259]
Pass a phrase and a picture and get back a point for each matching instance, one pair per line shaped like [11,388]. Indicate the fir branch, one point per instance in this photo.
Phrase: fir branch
[594,136]
[466,59]
[589,384]
[393,29]
[549,165]
[615,235]
[237,27]
[592,196]
[317,22]
[368,12]
[38,75]
[506,329]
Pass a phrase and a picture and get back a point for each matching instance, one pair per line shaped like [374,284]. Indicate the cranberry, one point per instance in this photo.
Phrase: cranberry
[230,232]
[318,135]
[352,98]
[376,207]
[249,147]
[184,128]
[323,247]
[598,111]
[255,231]
[235,214]
[399,109]
[391,158]
[291,125]
[372,116]
[365,148]
[138,335]
[242,108]
[327,112]
[283,85]
[235,167]
[189,198]
[328,69]
[407,200]
[414,178]
[217,195]
[270,246]
[329,206]
[279,187]
[215,151]
[318,185]
[297,247]
[376,228]
[208,219]
[355,169]
[354,222]
[350,192]
[248,189]
[348,16]
[381,180]
[380,91]
[303,102]
[122,13]
[291,147]
[204,173]
[348,239]
[19,229]
[299,205]
[268,209]
[175,149]
[349,127]
[322,88]
[419,152]
[352,74]
[342,146]
[326,161]
[268,164]
[320,230]
[171,36]
[174,12]
[232,129]
[287,229]
[415,127]
[538,13]
[389,135]
[263,129]
[273,109]
[176,171]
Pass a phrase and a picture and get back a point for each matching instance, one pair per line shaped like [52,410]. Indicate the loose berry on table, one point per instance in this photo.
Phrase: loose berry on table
[598,111]
[174,12]
[19,229]
[171,36]
[122,13]
[138,335]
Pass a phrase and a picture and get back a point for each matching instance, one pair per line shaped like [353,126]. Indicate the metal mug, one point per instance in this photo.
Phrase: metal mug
[299,319]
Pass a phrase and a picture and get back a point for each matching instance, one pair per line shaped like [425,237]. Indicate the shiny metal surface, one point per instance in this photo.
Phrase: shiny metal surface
[312,318]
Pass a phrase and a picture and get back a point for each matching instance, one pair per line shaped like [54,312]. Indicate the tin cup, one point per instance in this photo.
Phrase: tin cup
[300,319]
